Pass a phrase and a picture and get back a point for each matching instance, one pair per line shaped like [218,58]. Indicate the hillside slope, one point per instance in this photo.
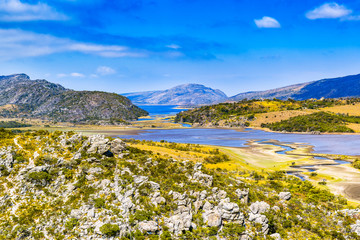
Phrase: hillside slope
[94,187]
[187,94]
[348,86]
[46,100]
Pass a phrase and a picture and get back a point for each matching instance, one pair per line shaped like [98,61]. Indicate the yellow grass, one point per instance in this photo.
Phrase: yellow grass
[278,116]
[352,110]
[174,153]
[354,126]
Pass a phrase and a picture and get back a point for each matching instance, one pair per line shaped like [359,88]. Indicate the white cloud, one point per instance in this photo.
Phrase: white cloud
[16,11]
[104,70]
[173,46]
[15,43]
[75,74]
[267,22]
[330,10]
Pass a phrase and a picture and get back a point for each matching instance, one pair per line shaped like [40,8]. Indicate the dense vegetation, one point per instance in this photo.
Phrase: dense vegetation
[319,121]
[67,186]
[13,124]
[245,110]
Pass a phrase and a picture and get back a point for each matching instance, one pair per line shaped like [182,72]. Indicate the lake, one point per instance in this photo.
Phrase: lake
[329,144]
[162,110]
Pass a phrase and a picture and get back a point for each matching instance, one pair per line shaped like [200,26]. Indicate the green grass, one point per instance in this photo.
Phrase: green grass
[319,121]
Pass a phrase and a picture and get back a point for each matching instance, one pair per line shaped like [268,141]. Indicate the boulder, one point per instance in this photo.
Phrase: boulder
[6,159]
[260,219]
[198,166]
[179,223]
[213,219]
[101,145]
[117,146]
[230,211]
[203,178]
[243,195]
[148,226]
[98,144]
[285,196]
[276,236]
[259,207]
[355,228]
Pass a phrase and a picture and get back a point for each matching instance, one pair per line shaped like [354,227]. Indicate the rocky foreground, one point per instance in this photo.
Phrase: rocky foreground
[68,186]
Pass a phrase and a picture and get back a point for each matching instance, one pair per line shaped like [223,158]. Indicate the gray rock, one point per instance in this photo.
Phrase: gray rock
[6,159]
[355,228]
[98,144]
[198,166]
[230,211]
[276,236]
[148,226]
[140,179]
[178,223]
[76,213]
[243,195]
[261,219]
[259,207]
[213,219]
[157,199]
[197,205]
[96,170]
[117,146]
[203,178]
[285,195]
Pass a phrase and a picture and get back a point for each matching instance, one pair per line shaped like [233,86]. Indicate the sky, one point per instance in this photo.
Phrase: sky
[139,45]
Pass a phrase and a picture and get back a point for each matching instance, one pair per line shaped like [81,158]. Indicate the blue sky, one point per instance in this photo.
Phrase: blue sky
[233,45]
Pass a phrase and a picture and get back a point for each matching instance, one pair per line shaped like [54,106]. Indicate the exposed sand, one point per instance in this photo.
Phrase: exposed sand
[346,180]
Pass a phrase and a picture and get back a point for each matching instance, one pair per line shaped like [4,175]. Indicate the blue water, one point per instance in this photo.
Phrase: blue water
[155,110]
[328,144]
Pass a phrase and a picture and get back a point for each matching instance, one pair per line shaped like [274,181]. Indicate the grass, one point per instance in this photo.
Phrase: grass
[351,109]
[272,117]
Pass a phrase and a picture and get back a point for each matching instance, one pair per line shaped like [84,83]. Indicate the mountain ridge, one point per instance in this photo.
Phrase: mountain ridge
[50,101]
[347,86]
[185,94]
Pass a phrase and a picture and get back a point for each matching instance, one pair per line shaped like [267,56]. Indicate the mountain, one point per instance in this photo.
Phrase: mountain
[187,94]
[348,86]
[46,100]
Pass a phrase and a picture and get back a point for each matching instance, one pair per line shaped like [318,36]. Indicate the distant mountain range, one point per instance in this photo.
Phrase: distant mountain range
[187,94]
[196,94]
[348,86]
[22,97]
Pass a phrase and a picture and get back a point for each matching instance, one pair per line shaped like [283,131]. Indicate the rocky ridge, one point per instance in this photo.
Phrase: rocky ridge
[42,99]
[65,185]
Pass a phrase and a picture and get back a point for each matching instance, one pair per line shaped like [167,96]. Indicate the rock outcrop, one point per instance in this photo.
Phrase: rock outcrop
[46,100]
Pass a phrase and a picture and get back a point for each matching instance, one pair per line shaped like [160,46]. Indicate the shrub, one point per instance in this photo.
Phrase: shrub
[71,223]
[39,176]
[99,203]
[109,230]
[233,229]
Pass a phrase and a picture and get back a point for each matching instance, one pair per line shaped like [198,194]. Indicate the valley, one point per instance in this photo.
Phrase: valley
[230,139]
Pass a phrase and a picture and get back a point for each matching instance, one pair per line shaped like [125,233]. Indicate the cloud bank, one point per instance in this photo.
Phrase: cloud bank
[15,43]
[16,11]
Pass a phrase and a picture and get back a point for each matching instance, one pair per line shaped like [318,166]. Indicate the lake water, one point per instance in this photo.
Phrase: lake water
[329,144]
[162,110]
